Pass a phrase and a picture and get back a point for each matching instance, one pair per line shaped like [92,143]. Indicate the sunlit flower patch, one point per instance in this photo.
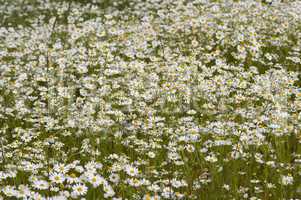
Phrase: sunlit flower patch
[150,99]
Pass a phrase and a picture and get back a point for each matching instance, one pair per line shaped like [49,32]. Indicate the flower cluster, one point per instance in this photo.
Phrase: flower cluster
[135,99]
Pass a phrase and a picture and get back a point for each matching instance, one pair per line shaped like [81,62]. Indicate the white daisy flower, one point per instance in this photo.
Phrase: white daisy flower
[131,170]
[40,184]
[57,178]
[79,189]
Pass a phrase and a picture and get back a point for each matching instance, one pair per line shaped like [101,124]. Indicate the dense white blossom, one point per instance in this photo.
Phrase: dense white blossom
[156,99]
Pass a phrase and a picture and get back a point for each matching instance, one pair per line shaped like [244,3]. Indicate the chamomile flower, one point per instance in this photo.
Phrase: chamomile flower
[151,154]
[61,168]
[114,178]
[131,170]
[287,180]
[109,192]
[79,189]
[40,184]
[57,178]
[95,180]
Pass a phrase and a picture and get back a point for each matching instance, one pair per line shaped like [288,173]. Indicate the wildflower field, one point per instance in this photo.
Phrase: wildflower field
[150,99]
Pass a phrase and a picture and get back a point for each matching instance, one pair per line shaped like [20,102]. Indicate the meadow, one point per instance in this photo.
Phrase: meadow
[150,99]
